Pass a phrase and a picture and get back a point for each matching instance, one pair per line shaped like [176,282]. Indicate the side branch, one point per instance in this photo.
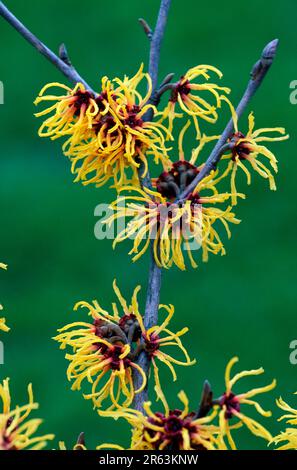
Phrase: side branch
[258,74]
[66,68]
[146,28]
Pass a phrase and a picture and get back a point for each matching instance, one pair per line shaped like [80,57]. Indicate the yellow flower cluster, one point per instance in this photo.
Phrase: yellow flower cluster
[185,430]
[172,429]
[174,227]
[107,134]
[112,136]
[177,226]
[104,352]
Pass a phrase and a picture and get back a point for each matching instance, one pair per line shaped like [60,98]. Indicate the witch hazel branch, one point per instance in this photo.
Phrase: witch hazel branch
[167,200]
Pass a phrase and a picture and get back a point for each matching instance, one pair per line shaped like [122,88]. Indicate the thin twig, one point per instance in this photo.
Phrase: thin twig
[206,402]
[157,95]
[258,74]
[146,27]
[166,85]
[67,69]
[63,54]
[81,442]
[154,280]
[164,88]
[167,79]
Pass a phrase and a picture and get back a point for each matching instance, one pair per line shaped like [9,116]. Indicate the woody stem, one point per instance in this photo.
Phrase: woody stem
[154,279]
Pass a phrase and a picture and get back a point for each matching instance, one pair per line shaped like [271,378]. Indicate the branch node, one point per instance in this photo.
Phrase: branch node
[63,54]
[269,52]
[146,27]
[81,441]
[155,98]
[161,90]
[266,59]
[167,79]
[206,403]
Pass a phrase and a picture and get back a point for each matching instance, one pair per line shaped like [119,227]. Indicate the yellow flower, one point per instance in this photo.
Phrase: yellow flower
[189,96]
[248,148]
[169,430]
[108,137]
[16,431]
[102,359]
[174,227]
[102,354]
[71,114]
[289,436]
[230,404]
[111,344]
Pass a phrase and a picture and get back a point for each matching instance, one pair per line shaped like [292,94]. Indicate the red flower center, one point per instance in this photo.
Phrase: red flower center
[152,344]
[114,352]
[173,426]
[100,99]
[182,88]
[108,122]
[132,120]
[241,149]
[5,442]
[171,183]
[231,402]
[82,98]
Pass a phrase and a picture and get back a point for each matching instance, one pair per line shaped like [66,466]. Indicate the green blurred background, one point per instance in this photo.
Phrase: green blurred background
[241,304]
